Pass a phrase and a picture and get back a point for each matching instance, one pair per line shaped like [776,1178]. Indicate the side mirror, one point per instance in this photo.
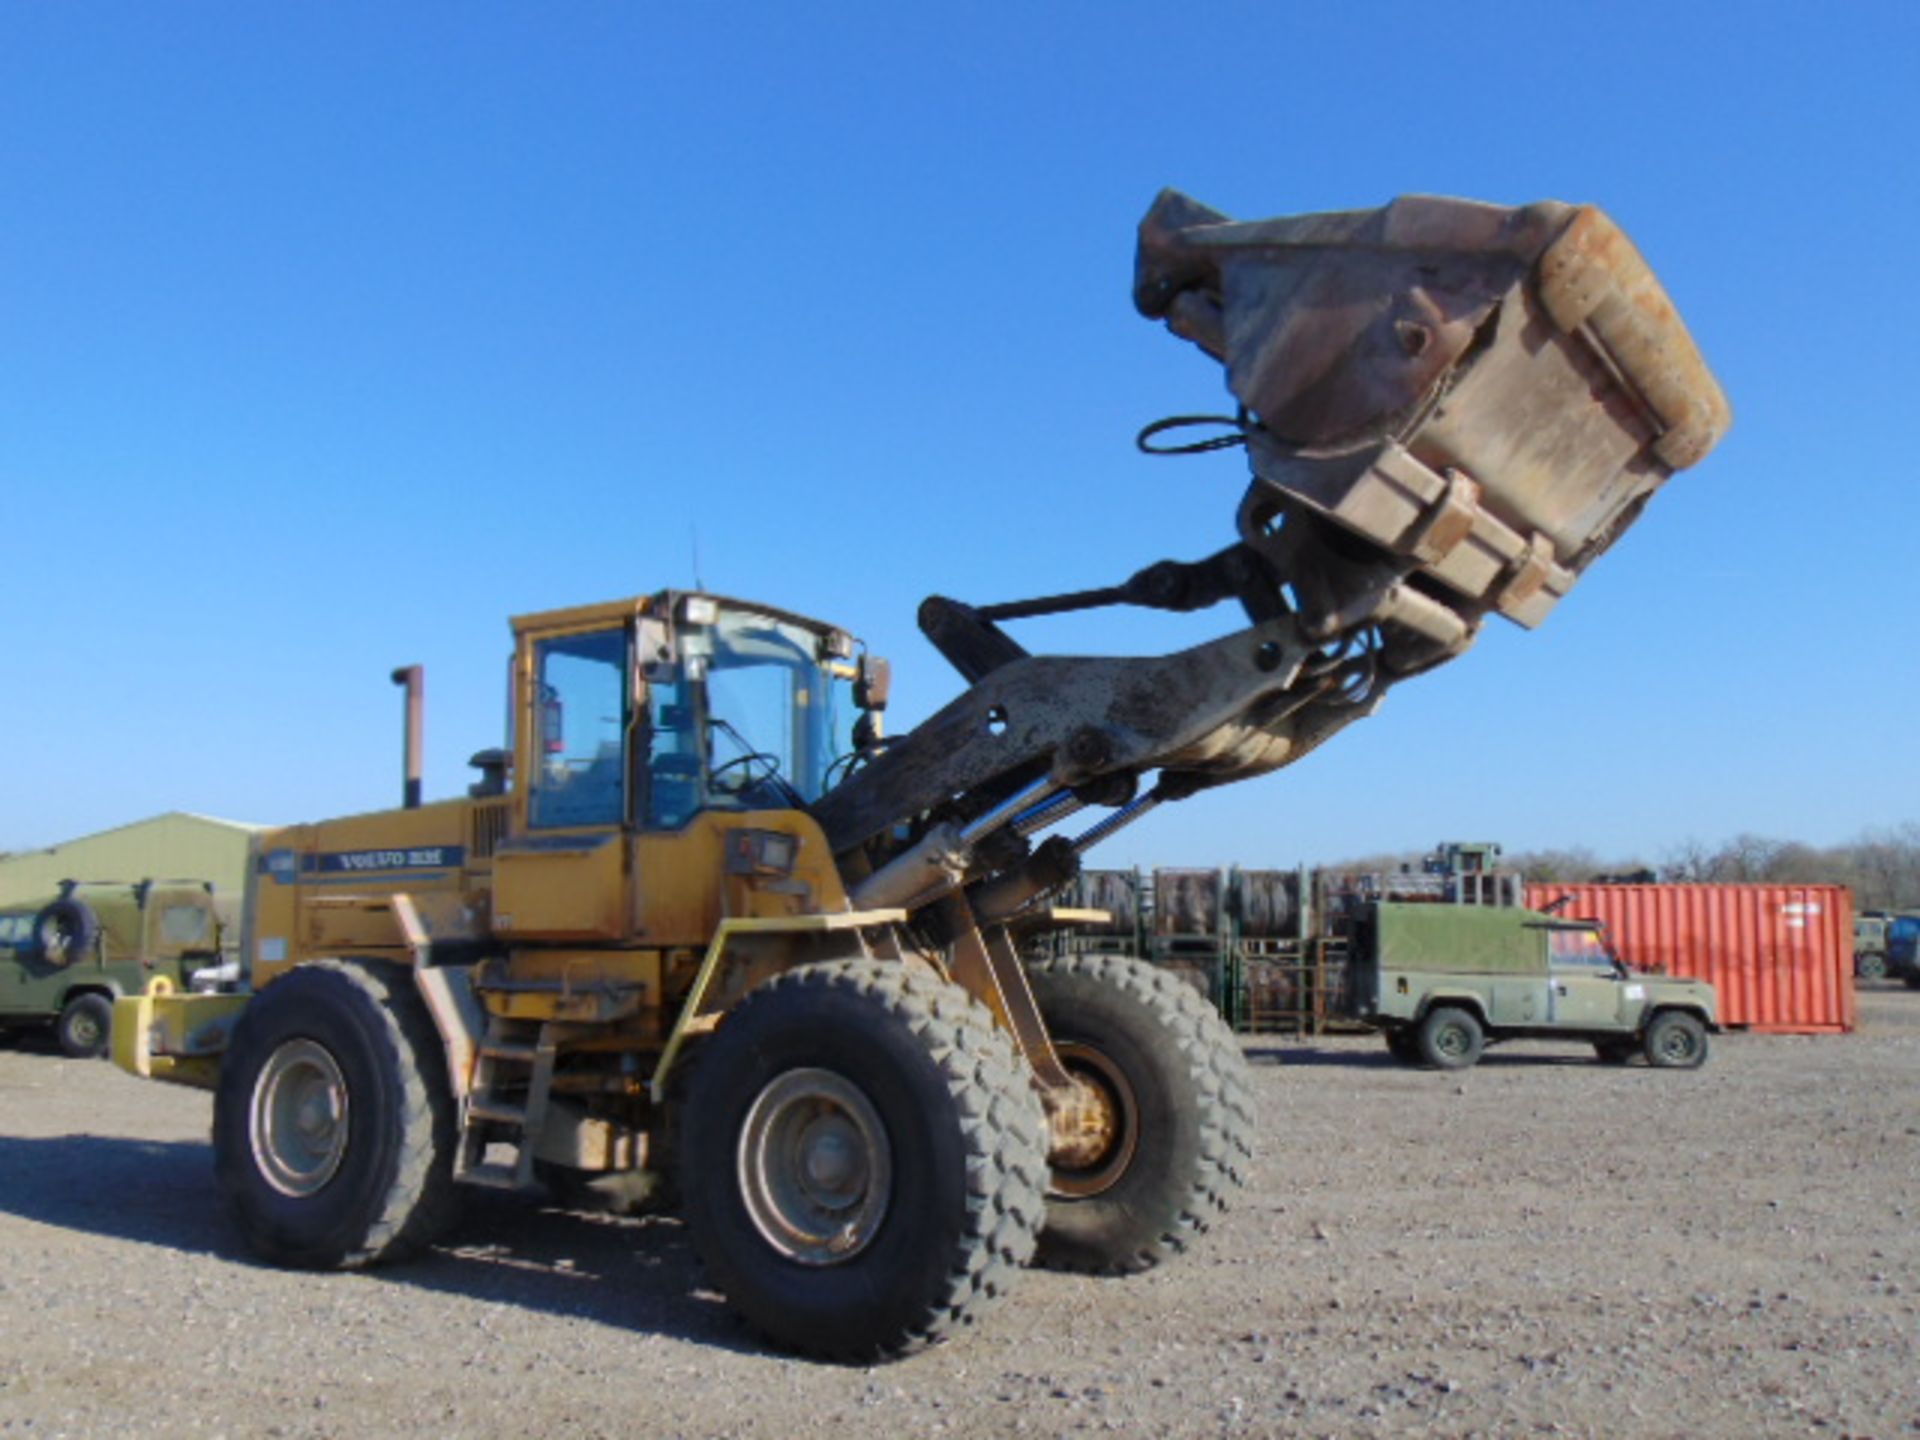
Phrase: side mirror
[872,683]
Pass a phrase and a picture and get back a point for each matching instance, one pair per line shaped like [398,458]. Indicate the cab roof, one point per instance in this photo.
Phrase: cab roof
[661,603]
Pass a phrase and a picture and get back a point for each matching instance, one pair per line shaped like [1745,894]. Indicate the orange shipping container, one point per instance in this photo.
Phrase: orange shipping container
[1781,956]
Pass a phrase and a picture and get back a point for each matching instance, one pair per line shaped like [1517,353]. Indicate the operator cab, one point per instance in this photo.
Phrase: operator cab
[645,713]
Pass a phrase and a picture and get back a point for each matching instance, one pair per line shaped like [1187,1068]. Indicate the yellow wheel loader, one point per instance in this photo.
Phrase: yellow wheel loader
[703,931]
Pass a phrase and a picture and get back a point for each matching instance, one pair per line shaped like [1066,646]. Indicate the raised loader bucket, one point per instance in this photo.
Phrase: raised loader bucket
[1487,394]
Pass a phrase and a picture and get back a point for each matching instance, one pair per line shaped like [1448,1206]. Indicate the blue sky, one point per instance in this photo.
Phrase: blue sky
[331,336]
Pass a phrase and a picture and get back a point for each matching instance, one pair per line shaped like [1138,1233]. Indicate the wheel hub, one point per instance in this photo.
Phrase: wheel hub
[298,1119]
[1096,1131]
[815,1166]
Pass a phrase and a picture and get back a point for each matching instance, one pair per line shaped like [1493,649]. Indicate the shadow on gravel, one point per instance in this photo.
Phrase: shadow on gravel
[29,1040]
[636,1273]
[156,1192]
[631,1273]
[1379,1060]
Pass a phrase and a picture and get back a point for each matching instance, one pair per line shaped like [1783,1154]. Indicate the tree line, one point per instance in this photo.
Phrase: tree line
[1881,866]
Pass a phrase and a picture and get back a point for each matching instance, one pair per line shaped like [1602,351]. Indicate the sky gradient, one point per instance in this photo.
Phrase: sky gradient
[332,336]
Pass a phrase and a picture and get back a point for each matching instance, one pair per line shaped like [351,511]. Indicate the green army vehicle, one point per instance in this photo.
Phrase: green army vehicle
[1884,946]
[64,961]
[1444,981]
[1870,945]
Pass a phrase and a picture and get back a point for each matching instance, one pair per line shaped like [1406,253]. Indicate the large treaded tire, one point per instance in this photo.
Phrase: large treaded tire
[1451,1038]
[948,1232]
[1676,1040]
[1403,1045]
[85,1027]
[1191,1113]
[391,1191]
[65,932]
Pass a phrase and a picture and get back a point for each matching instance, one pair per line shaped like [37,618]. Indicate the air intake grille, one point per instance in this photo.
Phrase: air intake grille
[489,828]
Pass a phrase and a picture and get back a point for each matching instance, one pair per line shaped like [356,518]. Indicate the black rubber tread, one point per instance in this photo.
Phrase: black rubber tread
[87,1002]
[950,1042]
[1442,1017]
[1657,1029]
[73,918]
[395,1191]
[1403,1045]
[1211,1082]
[440,1200]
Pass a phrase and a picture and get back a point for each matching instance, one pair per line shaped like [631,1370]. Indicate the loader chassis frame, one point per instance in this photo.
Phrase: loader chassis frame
[1449,410]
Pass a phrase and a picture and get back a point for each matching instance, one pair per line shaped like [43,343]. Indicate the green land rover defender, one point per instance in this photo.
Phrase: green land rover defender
[1444,981]
[64,960]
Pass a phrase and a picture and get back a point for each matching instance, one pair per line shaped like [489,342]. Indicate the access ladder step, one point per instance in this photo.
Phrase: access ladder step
[523,1052]
[512,1078]
[500,1112]
[493,1177]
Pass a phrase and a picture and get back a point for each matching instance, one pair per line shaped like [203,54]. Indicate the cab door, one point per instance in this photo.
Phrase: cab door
[1584,986]
[16,960]
[564,874]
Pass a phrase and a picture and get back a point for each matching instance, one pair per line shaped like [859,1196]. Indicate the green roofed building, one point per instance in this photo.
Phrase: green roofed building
[174,846]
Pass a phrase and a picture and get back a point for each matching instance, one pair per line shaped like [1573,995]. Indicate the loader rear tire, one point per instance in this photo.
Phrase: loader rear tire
[1175,1079]
[862,1159]
[333,1124]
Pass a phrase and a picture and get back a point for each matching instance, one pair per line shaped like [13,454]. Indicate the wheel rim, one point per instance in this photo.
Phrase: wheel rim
[1676,1045]
[57,942]
[86,1029]
[1118,1117]
[299,1118]
[1452,1041]
[816,1167]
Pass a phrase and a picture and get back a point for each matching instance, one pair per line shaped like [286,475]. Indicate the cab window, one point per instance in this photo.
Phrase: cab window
[579,730]
[184,925]
[1578,950]
[676,759]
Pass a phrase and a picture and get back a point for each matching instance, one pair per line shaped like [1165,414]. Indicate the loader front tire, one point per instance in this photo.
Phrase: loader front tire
[333,1125]
[1177,1085]
[862,1159]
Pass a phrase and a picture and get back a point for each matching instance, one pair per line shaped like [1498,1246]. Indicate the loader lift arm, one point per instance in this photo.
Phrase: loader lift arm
[1450,409]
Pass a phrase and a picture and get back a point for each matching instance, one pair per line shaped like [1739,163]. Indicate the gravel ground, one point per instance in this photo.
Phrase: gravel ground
[1540,1246]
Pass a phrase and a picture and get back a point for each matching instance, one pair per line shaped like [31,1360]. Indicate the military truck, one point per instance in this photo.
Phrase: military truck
[1870,945]
[1444,981]
[1885,944]
[64,960]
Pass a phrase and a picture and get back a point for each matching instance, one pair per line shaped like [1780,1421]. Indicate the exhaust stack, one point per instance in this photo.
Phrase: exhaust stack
[414,677]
